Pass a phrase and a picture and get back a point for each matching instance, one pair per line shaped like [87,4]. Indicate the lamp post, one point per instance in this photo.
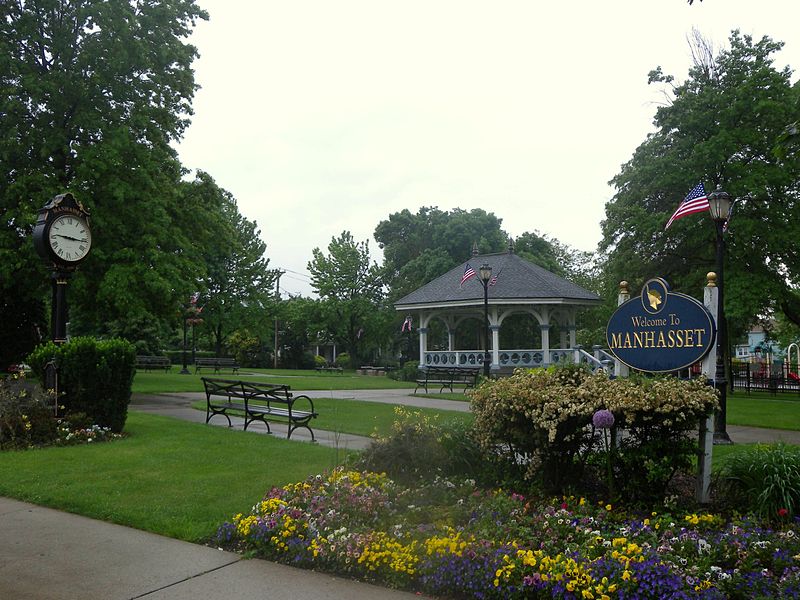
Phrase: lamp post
[719,207]
[184,370]
[486,277]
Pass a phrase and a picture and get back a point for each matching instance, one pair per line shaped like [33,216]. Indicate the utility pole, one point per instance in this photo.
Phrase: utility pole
[278,299]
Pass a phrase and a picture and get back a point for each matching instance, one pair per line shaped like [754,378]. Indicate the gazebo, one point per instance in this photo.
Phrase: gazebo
[521,299]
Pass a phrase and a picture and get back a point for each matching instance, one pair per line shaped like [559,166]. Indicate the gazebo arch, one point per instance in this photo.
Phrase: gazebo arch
[519,287]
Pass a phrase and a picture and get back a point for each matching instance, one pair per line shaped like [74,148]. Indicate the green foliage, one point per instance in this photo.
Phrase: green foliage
[94,377]
[419,247]
[26,415]
[94,110]
[319,361]
[247,349]
[421,447]
[720,127]
[408,372]
[763,479]
[343,360]
[350,287]
[539,421]
[236,285]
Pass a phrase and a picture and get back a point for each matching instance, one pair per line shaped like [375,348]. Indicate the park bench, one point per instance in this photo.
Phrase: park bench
[447,378]
[329,369]
[370,370]
[258,402]
[153,362]
[217,363]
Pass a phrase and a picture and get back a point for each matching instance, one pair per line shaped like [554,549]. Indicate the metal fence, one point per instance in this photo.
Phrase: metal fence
[777,377]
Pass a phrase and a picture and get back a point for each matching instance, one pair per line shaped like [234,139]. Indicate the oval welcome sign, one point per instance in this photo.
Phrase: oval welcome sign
[660,331]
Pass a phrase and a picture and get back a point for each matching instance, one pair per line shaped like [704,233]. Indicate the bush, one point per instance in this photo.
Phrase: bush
[408,372]
[343,360]
[27,417]
[94,377]
[540,420]
[421,448]
[763,479]
[319,361]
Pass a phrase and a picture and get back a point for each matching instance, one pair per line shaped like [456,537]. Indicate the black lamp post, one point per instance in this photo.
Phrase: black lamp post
[486,277]
[719,206]
[184,370]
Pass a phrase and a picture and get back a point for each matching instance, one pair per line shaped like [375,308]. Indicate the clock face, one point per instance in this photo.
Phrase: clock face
[69,238]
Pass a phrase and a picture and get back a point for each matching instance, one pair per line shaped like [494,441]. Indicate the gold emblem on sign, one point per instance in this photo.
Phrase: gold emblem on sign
[655,298]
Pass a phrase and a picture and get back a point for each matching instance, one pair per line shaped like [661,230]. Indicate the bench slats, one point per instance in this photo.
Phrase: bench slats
[217,363]
[153,362]
[447,378]
[257,401]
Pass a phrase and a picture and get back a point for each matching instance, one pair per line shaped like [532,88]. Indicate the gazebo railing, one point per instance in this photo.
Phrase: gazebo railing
[523,358]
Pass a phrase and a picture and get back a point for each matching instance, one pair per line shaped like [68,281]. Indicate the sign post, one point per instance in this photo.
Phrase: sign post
[662,331]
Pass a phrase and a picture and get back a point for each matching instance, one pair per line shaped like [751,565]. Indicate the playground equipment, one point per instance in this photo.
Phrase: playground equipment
[793,372]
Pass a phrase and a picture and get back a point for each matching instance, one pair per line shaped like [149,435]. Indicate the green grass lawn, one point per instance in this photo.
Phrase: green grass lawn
[760,409]
[174,478]
[154,382]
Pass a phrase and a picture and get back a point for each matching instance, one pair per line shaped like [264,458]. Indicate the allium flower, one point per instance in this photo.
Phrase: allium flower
[603,419]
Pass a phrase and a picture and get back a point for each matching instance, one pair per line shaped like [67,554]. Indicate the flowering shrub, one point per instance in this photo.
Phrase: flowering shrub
[450,540]
[26,414]
[27,419]
[542,420]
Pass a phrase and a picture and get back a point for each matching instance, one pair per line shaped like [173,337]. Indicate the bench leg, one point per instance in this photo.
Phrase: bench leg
[250,418]
[210,412]
[293,427]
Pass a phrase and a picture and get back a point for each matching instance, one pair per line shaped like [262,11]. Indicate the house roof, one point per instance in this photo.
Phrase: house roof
[518,281]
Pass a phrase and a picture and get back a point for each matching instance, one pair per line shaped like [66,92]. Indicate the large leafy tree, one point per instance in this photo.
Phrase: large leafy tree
[236,283]
[721,126]
[350,286]
[91,95]
[419,247]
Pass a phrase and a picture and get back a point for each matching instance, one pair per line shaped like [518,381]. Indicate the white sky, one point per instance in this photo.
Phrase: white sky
[322,116]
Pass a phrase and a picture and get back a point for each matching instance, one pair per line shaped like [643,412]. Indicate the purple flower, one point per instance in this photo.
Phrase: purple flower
[603,419]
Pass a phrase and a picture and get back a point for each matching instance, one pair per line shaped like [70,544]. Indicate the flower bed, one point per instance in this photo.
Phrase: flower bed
[448,539]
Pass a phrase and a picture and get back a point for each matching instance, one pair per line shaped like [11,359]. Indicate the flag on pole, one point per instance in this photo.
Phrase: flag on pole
[469,273]
[493,280]
[696,201]
[406,325]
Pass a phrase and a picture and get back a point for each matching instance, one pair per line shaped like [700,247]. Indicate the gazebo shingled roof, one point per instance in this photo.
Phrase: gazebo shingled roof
[517,280]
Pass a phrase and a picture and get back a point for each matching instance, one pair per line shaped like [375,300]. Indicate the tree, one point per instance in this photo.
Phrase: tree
[236,283]
[419,247]
[350,287]
[720,127]
[91,95]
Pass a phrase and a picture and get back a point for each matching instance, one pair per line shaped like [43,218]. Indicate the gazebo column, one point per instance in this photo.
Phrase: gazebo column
[495,329]
[451,333]
[545,329]
[573,339]
[423,345]
[563,341]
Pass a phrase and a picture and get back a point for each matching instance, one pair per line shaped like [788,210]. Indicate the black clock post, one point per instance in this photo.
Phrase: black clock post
[62,238]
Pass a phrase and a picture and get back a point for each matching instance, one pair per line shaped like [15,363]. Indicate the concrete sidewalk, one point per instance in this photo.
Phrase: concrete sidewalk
[51,555]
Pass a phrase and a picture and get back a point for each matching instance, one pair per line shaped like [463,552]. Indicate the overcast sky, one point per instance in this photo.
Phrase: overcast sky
[324,116]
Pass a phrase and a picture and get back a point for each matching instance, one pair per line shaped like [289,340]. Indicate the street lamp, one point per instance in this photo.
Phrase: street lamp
[719,207]
[486,277]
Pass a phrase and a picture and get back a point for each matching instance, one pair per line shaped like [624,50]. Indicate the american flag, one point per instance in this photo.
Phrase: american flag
[406,325]
[696,201]
[469,273]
